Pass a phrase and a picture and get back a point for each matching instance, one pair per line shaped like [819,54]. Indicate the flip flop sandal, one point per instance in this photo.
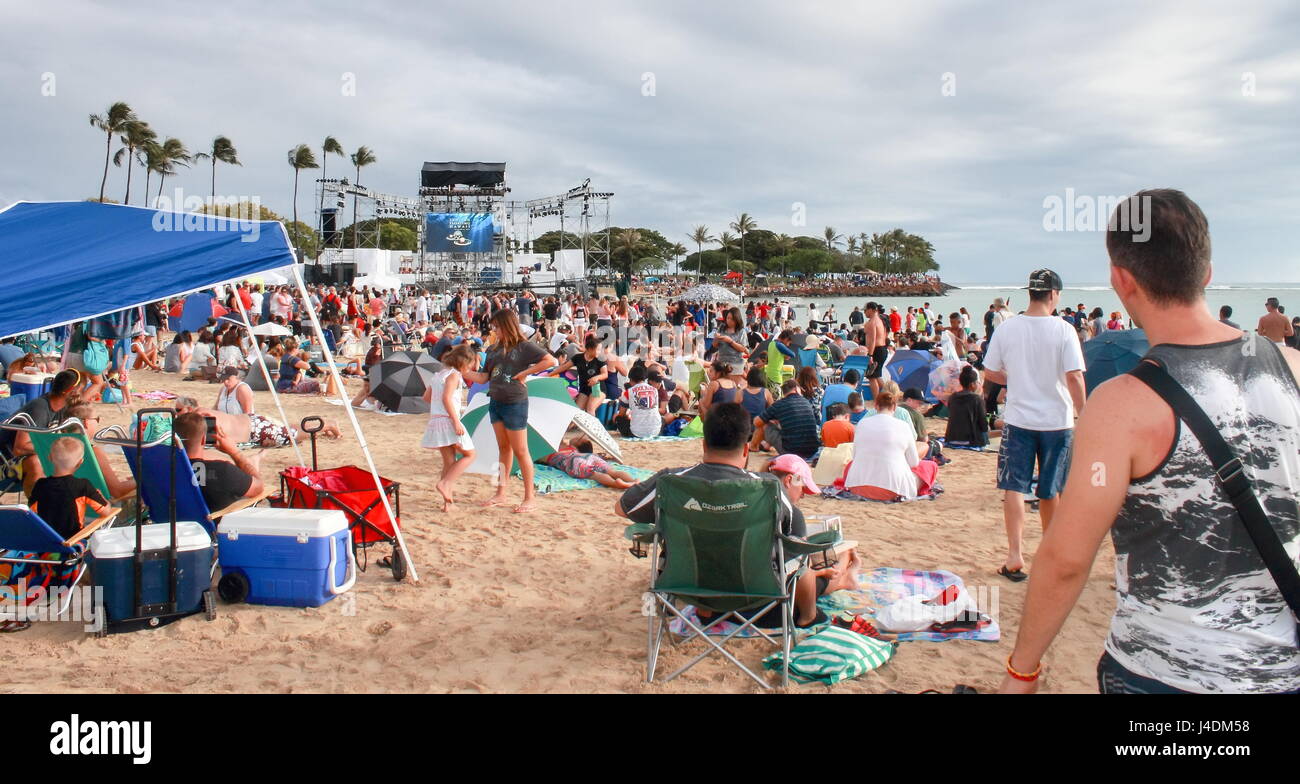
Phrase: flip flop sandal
[1015,576]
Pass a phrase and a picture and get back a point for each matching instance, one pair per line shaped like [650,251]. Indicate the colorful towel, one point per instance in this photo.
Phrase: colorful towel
[829,491]
[885,585]
[156,394]
[552,480]
[663,438]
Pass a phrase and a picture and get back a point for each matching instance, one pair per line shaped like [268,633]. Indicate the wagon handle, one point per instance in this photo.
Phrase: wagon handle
[306,426]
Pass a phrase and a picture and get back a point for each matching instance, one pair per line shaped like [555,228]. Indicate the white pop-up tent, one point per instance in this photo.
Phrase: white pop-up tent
[68,261]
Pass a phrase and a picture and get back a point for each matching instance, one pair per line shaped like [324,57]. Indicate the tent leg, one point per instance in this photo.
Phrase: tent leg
[352,417]
[261,362]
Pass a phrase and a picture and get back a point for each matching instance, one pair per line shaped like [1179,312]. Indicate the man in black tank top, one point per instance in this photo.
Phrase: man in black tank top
[1197,609]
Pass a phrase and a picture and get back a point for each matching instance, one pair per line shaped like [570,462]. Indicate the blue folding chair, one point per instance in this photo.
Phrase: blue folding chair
[860,363]
[27,543]
[835,393]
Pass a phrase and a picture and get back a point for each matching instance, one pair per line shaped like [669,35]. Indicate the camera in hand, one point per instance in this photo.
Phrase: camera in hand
[210,440]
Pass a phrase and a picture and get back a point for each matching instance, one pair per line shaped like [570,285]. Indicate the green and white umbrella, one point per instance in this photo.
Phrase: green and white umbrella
[550,410]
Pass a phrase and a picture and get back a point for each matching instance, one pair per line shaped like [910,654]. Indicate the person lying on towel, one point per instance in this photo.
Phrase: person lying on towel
[577,459]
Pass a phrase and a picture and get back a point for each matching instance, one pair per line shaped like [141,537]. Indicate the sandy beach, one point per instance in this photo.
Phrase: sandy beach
[544,602]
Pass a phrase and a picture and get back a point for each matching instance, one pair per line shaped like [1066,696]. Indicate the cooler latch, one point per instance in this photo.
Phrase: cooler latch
[302,538]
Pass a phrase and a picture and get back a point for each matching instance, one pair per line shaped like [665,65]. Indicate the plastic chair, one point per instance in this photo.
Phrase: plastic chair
[28,543]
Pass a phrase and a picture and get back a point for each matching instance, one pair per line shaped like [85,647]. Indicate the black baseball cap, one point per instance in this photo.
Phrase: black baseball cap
[912,393]
[1044,280]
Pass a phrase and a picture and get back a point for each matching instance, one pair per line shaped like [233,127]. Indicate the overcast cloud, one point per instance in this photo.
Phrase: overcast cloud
[756,106]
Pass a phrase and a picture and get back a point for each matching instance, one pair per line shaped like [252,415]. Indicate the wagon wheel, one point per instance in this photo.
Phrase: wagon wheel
[399,565]
[233,587]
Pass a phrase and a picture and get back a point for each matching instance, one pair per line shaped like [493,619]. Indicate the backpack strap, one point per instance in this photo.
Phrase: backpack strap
[1231,477]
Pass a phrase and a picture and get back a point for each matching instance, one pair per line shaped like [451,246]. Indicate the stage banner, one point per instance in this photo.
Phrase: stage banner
[458,232]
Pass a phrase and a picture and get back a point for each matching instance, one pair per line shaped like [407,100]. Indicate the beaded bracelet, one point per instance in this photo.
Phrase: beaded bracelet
[1020,676]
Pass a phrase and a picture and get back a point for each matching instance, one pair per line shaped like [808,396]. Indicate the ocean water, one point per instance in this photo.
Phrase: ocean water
[1246,300]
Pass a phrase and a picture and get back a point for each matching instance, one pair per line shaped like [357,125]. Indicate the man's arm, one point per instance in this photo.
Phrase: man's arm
[251,467]
[1078,390]
[1100,470]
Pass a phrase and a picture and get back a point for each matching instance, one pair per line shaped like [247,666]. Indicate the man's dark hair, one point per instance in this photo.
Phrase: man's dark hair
[785,335]
[192,428]
[636,374]
[851,376]
[1225,312]
[789,387]
[756,377]
[1163,239]
[727,428]
[64,381]
[855,399]
[1039,296]
[836,410]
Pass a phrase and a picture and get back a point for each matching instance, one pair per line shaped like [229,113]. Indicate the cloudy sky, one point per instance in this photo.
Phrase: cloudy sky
[951,120]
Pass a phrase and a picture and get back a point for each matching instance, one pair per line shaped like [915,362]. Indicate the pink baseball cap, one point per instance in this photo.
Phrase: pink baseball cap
[793,464]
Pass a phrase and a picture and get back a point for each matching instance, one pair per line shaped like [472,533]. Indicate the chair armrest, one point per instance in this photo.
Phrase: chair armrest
[93,526]
[826,540]
[640,532]
[128,494]
[242,503]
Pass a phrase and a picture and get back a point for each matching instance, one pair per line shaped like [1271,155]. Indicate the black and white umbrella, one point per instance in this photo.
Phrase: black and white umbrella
[399,381]
[708,292]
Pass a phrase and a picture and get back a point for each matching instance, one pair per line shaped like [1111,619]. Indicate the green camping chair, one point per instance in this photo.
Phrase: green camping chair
[43,440]
[723,552]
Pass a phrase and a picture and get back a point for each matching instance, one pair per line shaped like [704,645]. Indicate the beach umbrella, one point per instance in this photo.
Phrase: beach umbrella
[399,381]
[550,410]
[708,292]
[270,328]
[1112,353]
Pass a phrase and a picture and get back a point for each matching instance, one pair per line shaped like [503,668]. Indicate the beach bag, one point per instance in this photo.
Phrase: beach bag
[95,358]
[831,463]
[912,614]
[111,395]
[834,655]
[693,430]
[674,427]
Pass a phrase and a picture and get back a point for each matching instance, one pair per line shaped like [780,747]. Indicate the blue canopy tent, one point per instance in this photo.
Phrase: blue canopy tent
[196,311]
[68,261]
[1112,353]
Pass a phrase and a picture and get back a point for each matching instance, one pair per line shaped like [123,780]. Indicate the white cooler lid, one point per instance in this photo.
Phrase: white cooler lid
[270,521]
[120,542]
[30,378]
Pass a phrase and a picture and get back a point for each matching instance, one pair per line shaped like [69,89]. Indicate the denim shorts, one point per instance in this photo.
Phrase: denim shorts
[1022,448]
[513,415]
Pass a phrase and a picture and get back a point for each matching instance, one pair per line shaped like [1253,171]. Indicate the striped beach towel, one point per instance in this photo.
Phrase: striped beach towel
[834,655]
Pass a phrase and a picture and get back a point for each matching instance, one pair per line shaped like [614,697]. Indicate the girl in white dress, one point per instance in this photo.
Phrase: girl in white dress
[445,432]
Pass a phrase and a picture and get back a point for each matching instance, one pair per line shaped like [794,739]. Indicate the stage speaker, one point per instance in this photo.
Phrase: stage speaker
[344,273]
[329,227]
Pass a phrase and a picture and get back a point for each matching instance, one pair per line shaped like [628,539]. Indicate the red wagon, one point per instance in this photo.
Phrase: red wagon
[350,489]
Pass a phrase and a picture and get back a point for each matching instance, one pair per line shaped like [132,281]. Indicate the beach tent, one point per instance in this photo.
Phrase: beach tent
[734,275]
[68,261]
[910,368]
[1112,353]
[192,313]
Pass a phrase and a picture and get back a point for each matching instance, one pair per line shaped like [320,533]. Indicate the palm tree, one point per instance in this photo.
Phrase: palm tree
[151,151]
[743,224]
[300,157]
[331,145]
[628,242]
[700,236]
[678,250]
[172,153]
[138,133]
[224,151]
[727,242]
[786,244]
[362,157]
[115,120]
[832,238]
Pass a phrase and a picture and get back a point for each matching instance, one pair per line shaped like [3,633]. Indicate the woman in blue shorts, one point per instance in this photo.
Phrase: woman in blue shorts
[511,358]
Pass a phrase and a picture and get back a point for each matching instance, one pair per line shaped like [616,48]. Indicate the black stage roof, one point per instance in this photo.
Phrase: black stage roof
[477,174]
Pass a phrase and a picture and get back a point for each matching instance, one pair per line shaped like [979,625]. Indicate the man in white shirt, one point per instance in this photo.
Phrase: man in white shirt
[1038,358]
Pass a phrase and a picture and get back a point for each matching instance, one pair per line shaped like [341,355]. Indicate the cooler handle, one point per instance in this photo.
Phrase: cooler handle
[351,577]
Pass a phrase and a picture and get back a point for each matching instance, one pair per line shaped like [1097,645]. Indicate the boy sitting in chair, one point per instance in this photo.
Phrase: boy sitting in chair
[61,500]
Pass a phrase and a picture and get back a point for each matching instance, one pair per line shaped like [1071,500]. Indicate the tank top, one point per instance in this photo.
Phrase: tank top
[754,402]
[1197,609]
[228,402]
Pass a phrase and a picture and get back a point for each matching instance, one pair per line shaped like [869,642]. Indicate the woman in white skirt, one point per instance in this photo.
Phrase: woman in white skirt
[445,431]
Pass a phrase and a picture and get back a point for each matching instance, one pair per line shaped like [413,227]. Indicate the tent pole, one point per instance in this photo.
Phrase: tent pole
[352,417]
[270,383]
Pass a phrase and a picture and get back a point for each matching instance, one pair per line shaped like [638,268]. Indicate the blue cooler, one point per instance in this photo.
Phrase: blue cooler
[33,385]
[112,555]
[287,557]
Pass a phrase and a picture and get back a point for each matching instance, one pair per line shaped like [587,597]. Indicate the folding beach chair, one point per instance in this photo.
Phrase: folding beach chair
[165,479]
[835,393]
[860,363]
[723,552]
[31,552]
[43,442]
